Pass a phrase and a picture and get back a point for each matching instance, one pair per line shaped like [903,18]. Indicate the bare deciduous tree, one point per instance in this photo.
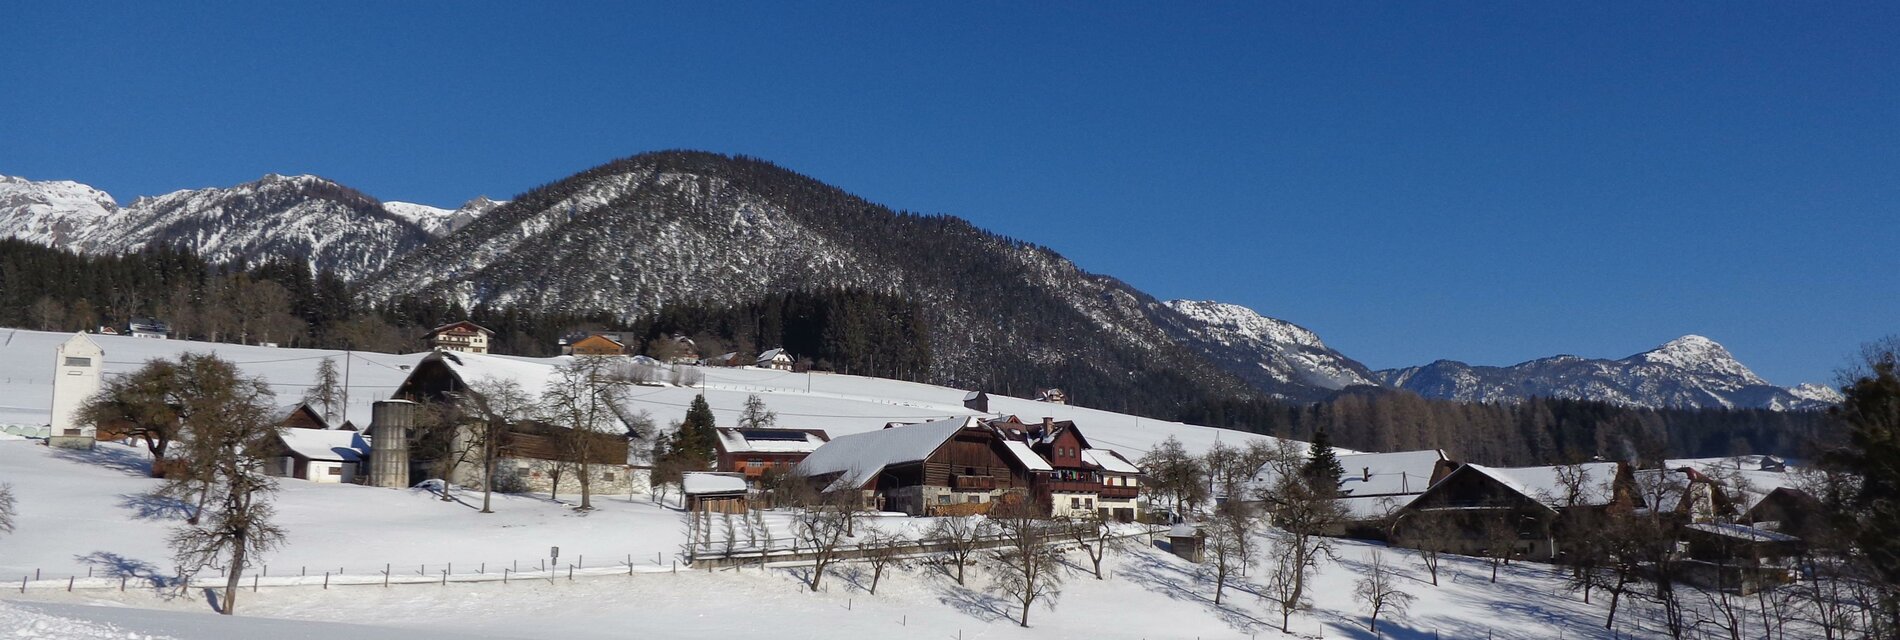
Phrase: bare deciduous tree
[822,527]
[1378,589]
[1304,510]
[233,423]
[1029,566]
[1430,537]
[1174,475]
[143,404]
[7,508]
[327,394]
[879,551]
[961,536]
[584,398]
[1095,534]
[490,407]
[1230,535]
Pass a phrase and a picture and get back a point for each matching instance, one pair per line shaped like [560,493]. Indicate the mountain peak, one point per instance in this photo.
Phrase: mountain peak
[1696,353]
[1276,354]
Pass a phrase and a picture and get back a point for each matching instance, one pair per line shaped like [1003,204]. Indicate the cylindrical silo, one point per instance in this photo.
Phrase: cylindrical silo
[390,421]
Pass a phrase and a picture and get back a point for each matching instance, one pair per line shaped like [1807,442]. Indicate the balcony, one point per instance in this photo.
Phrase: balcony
[973,483]
[1120,493]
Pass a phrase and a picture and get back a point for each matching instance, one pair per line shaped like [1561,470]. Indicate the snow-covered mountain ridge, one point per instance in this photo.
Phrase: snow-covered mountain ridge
[326,224]
[1270,353]
[1689,372]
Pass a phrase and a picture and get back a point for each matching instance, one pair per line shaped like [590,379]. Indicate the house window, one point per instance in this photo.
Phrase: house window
[608,477]
[943,499]
[1075,503]
[974,498]
[78,362]
[336,471]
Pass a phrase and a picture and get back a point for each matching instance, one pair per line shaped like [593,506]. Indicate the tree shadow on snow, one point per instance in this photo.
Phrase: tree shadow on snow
[146,506]
[1192,585]
[110,456]
[112,565]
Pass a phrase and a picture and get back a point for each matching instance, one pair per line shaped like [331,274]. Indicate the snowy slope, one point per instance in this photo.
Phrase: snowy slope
[1688,372]
[1272,354]
[58,213]
[297,217]
[441,222]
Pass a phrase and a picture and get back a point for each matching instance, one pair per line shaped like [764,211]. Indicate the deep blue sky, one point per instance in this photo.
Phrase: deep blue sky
[1489,183]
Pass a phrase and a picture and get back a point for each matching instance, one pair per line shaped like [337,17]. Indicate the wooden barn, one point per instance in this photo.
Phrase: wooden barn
[921,469]
[1535,503]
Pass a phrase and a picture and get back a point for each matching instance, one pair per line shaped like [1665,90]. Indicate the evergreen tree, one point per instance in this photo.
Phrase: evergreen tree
[1872,411]
[1322,465]
[694,442]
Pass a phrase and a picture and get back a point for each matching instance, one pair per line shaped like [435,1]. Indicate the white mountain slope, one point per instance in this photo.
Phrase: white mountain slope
[439,221]
[1271,353]
[55,212]
[324,223]
[1688,372]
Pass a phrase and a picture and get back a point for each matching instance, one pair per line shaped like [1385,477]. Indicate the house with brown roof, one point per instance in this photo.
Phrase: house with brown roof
[463,336]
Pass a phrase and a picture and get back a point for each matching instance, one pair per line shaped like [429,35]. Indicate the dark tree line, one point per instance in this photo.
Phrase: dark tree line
[854,332]
[860,332]
[1536,431]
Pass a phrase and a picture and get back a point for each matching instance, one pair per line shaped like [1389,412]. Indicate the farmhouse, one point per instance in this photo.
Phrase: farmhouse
[1068,476]
[775,359]
[953,465]
[595,345]
[1534,502]
[461,337]
[753,452]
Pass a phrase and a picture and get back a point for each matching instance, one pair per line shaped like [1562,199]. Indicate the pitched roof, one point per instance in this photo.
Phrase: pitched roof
[1545,484]
[460,323]
[701,483]
[1026,456]
[1109,460]
[859,457]
[742,440]
[1377,474]
[321,444]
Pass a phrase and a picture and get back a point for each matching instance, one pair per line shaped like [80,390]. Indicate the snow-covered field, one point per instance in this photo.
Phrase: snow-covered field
[80,510]
[839,404]
[84,512]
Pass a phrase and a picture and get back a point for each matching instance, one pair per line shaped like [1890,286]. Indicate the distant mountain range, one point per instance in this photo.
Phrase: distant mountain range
[641,233]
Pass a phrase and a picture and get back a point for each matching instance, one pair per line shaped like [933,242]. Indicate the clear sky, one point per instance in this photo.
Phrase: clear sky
[1414,181]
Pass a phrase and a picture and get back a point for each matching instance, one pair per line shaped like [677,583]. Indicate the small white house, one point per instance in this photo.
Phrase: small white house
[320,455]
[775,359]
[76,366]
[148,328]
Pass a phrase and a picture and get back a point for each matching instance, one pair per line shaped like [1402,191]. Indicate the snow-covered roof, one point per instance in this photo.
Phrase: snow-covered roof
[323,444]
[1374,507]
[1026,456]
[741,440]
[1376,474]
[1665,488]
[773,354]
[1742,532]
[1379,474]
[701,483]
[1109,461]
[859,457]
[1547,486]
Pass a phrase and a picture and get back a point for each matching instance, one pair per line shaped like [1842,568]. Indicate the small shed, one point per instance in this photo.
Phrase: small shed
[977,401]
[714,492]
[1188,541]
[320,455]
[1052,396]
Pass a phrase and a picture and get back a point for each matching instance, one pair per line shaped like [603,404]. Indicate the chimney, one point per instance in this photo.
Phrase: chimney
[1365,473]
[1048,423]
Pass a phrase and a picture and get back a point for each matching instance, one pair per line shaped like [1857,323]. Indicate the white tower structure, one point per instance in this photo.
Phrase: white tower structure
[76,365]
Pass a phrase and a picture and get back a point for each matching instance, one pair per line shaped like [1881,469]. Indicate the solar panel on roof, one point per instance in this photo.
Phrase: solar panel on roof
[761,434]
